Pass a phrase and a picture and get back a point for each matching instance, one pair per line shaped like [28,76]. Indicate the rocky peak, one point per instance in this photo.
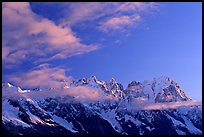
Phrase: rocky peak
[134,83]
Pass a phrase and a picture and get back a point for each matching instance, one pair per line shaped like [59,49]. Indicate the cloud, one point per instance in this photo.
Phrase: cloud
[80,94]
[171,105]
[130,6]
[107,14]
[118,23]
[83,93]
[128,14]
[5,52]
[41,76]
[144,104]
[79,12]
[137,7]
[26,33]
[82,12]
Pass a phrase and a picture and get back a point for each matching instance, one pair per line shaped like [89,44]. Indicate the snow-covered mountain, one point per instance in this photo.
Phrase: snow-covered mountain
[92,106]
[161,89]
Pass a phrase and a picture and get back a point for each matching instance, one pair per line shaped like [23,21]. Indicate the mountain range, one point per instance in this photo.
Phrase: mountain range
[89,106]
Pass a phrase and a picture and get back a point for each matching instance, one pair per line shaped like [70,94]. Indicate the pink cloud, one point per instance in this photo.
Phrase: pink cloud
[129,6]
[171,105]
[111,11]
[81,94]
[25,30]
[5,52]
[22,7]
[137,7]
[20,54]
[118,23]
[84,93]
[87,11]
[42,76]
[54,35]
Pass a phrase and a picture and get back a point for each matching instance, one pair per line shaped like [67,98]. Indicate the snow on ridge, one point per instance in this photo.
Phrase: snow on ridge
[10,85]
[191,126]
[110,117]
[137,122]
[68,125]
[10,114]
[35,119]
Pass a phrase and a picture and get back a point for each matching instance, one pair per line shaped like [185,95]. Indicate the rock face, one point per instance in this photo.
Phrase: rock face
[137,110]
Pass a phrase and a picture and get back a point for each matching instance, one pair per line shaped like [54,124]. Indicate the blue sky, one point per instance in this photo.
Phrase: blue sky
[126,41]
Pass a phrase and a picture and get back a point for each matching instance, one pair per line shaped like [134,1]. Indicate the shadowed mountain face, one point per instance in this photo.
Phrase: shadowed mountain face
[156,107]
